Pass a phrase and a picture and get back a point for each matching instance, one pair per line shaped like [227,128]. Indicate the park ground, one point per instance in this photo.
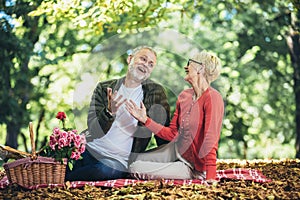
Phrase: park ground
[285,184]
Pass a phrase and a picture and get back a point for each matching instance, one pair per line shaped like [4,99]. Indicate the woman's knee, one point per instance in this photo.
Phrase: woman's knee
[136,166]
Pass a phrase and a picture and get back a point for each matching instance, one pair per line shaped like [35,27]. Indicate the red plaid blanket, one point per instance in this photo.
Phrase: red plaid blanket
[236,173]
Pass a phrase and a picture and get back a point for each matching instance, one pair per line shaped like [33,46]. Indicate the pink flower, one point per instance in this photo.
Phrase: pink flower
[52,146]
[71,135]
[70,138]
[82,148]
[62,142]
[56,131]
[75,131]
[63,134]
[77,141]
[75,155]
[52,142]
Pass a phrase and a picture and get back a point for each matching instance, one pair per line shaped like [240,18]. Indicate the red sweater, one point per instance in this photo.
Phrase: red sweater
[195,127]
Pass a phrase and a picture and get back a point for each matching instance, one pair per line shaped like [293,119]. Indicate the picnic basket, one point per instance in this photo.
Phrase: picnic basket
[35,170]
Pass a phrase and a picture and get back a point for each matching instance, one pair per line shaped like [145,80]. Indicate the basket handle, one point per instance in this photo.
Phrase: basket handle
[33,153]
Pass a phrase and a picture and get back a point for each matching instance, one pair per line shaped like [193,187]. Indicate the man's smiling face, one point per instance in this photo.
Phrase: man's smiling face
[142,64]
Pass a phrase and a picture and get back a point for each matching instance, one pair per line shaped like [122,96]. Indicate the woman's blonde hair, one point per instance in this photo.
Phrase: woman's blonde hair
[211,63]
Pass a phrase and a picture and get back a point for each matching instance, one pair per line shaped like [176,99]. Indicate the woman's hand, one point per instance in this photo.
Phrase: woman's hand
[138,113]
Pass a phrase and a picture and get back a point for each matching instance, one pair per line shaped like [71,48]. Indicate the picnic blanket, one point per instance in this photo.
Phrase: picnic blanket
[235,174]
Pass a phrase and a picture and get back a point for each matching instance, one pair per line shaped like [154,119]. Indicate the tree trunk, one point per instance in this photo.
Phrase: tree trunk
[12,135]
[293,41]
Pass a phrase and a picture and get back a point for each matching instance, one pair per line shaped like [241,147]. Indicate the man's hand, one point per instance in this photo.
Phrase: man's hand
[138,113]
[114,102]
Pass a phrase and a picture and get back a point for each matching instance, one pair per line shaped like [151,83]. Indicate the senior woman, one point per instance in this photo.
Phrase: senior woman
[194,131]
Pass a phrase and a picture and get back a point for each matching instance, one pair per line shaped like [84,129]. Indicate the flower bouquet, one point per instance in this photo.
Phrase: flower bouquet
[65,143]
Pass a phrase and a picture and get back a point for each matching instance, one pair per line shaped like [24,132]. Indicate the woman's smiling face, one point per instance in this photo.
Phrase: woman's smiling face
[192,70]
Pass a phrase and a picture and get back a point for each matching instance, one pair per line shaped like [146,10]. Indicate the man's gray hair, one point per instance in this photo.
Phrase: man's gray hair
[139,48]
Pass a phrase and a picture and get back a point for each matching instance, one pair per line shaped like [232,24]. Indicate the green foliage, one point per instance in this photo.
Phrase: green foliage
[103,17]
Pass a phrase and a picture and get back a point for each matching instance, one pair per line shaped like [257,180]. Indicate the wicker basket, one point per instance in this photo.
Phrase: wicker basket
[35,170]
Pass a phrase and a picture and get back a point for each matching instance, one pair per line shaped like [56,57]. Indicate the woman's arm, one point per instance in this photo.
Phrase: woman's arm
[166,133]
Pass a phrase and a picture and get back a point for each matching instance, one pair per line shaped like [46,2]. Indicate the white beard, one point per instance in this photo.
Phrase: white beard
[132,70]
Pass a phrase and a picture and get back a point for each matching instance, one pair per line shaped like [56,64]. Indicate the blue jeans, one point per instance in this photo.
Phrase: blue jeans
[91,169]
